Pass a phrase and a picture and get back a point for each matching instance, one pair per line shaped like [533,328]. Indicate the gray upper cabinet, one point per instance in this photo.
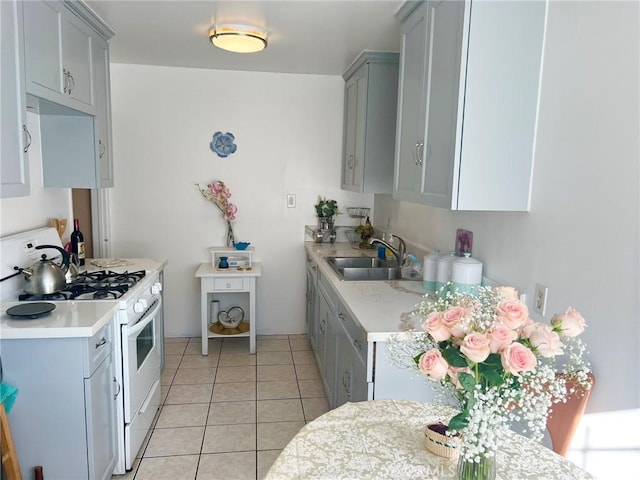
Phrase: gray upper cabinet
[15,138]
[371,88]
[468,103]
[102,126]
[68,85]
[58,55]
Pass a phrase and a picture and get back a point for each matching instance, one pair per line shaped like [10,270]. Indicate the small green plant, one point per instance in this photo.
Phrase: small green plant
[326,208]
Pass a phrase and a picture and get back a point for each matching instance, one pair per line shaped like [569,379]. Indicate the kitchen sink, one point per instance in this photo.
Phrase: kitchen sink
[358,262]
[364,268]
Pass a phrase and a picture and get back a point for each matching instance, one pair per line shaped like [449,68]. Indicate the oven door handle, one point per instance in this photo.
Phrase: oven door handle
[144,321]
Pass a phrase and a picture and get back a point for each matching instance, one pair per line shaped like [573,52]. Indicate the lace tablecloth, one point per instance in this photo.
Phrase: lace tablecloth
[383,439]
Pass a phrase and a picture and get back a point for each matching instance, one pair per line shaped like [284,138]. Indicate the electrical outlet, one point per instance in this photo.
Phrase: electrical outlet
[540,299]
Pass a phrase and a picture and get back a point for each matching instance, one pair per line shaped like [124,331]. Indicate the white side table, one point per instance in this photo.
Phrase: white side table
[231,287]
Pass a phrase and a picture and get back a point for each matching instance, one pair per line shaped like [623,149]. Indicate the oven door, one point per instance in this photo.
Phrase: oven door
[141,350]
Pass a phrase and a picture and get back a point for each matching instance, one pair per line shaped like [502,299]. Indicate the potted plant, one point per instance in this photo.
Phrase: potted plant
[326,209]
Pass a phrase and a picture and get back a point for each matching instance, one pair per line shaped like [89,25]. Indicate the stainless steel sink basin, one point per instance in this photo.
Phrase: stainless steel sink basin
[374,273]
[358,262]
[364,268]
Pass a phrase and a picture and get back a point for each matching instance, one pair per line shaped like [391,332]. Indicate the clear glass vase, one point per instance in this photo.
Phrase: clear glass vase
[485,469]
[230,237]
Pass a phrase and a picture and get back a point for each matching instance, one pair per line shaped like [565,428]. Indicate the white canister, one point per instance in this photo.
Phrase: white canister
[443,274]
[466,274]
[430,271]
[214,310]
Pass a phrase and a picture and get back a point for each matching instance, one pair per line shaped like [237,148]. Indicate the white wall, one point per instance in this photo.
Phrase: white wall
[288,129]
[36,210]
[581,237]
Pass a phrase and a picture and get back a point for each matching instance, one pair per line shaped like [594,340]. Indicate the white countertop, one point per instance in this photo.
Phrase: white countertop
[69,319]
[73,318]
[377,305]
[128,264]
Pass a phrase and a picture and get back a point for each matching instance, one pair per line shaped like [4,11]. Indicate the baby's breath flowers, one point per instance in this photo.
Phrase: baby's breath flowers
[496,363]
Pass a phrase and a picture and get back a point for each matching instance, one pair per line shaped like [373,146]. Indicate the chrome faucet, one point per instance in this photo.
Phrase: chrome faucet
[398,253]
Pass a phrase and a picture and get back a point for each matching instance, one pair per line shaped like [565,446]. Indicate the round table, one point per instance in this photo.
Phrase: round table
[383,439]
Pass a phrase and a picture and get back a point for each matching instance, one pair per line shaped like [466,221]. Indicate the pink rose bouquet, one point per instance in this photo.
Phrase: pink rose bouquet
[218,194]
[495,363]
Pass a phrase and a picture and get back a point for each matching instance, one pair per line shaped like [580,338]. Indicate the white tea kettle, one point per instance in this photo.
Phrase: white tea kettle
[45,276]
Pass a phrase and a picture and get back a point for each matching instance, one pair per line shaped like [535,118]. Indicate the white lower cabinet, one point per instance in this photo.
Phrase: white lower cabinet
[64,417]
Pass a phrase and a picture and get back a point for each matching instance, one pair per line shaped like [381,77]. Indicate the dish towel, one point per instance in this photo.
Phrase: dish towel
[8,396]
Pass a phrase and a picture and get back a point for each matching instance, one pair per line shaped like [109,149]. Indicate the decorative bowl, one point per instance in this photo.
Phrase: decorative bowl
[438,443]
[241,245]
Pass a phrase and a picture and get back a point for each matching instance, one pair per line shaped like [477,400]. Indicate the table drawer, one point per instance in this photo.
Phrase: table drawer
[228,284]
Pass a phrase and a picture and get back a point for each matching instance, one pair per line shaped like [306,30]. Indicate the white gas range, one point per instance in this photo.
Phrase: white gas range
[134,287]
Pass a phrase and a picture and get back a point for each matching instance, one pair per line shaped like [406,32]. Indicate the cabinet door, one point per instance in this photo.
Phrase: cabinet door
[411,104]
[76,59]
[321,338]
[101,421]
[327,338]
[359,384]
[343,370]
[104,159]
[437,155]
[15,138]
[351,104]
[331,357]
[42,39]
[355,123]
[311,311]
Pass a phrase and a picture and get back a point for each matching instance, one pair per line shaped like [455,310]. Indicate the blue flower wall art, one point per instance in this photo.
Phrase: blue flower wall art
[222,144]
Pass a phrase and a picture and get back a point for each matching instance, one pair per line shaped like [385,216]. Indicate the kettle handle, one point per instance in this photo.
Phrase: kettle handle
[63,252]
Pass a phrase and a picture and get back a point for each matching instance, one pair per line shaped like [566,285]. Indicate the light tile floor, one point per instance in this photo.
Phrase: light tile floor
[229,414]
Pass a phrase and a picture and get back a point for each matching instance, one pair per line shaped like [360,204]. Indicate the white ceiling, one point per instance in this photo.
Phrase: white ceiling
[305,36]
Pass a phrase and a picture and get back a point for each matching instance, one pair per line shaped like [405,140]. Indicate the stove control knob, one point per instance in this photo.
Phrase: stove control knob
[156,288]
[140,306]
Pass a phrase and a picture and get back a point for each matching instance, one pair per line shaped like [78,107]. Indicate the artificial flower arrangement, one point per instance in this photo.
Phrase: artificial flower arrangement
[495,363]
[218,194]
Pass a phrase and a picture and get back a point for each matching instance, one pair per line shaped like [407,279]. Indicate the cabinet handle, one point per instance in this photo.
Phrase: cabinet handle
[415,153]
[420,153]
[102,149]
[346,380]
[72,82]
[322,325]
[358,344]
[27,142]
[101,342]
[119,388]
[65,78]
[341,316]
[350,163]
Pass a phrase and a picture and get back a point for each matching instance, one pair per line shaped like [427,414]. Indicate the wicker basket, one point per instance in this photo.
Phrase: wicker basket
[441,445]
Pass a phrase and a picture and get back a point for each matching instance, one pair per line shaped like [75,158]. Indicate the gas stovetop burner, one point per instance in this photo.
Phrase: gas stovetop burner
[99,285]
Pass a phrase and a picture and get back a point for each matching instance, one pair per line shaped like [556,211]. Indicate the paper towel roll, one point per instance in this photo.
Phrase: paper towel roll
[214,310]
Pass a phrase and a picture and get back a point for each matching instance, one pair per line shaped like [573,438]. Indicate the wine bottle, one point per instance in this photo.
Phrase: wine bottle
[77,241]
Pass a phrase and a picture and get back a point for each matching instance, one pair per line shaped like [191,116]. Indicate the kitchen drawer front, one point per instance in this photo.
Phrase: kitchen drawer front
[97,348]
[357,336]
[224,284]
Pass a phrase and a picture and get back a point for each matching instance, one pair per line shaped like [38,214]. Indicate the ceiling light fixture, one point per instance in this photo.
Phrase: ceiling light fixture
[238,38]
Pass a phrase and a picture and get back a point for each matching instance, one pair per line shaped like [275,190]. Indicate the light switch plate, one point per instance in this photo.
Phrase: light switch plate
[291,200]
